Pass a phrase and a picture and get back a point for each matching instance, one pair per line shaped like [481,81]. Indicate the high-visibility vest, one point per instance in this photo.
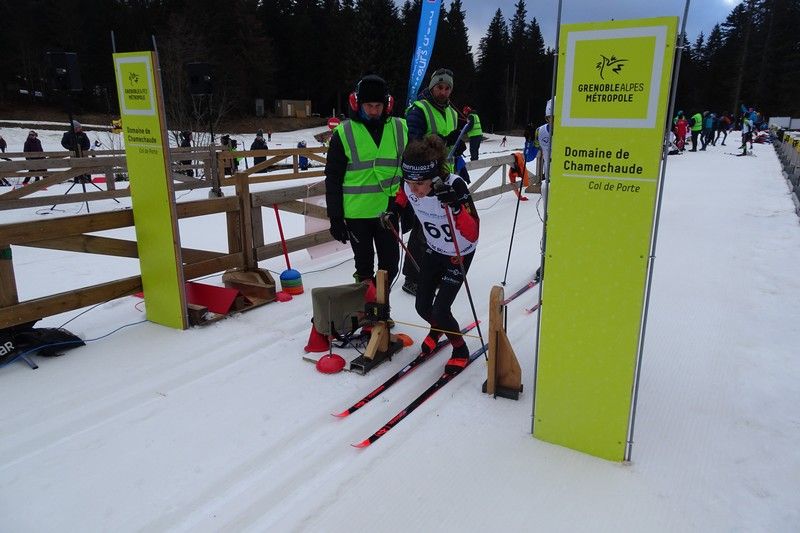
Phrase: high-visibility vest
[476,126]
[373,173]
[698,122]
[439,124]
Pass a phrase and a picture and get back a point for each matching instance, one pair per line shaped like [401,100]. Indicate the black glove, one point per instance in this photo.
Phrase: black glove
[451,138]
[447,195]
[339,230]
[389,220]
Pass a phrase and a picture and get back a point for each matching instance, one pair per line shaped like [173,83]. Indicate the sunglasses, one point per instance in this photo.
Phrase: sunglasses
[446,71]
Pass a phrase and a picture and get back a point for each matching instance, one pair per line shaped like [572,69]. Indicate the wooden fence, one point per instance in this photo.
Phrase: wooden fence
[245,229]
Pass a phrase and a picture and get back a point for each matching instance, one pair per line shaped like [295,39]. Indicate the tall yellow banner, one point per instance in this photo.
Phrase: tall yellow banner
[152,194]
[610,116]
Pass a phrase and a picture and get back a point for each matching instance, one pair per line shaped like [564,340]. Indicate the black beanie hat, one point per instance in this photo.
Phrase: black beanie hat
[371,88]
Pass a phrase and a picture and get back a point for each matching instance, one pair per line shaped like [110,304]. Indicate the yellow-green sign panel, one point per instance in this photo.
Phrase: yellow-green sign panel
[610,113]
[146,150]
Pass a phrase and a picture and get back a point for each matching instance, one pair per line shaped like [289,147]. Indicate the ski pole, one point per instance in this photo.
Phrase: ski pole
[460,135]
[464,273]
[403,245]
[513,229]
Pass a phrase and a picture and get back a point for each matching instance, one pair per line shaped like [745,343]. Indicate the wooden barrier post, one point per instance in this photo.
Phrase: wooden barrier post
[8,283]
[504,374]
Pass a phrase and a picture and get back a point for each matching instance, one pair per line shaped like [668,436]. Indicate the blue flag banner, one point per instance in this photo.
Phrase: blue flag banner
[426,36]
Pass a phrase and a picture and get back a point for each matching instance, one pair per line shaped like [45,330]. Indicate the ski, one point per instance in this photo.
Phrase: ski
[531,284]
[443,380]
[530,310]
[421,358]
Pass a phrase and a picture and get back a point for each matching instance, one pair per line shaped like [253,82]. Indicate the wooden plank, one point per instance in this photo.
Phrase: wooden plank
[90,244]
[302,208]
[68,301]
[292,245]
[476,184]
[490,162]
[210,206]
[233,221]
[71,198]
[271,178]
[218,264]
[280,196]
[257,224]
[47,180]
[493,191]
[246,212]
[27,232]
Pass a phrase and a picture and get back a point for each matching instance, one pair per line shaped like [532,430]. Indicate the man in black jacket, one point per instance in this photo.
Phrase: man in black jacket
[75,140]
[362,176]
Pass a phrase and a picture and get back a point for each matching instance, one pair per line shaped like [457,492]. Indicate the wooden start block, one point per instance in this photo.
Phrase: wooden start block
[504,373]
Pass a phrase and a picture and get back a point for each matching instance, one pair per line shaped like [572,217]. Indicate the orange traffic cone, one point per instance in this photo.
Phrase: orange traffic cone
[317,342]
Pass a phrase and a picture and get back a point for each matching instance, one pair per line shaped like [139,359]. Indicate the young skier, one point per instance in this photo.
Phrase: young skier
[433,193]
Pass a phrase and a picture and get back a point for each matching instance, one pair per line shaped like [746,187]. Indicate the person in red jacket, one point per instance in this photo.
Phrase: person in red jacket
[436,197]
[681,130]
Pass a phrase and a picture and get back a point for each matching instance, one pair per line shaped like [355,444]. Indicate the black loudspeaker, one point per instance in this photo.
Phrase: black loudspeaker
[200,79]
[64,72]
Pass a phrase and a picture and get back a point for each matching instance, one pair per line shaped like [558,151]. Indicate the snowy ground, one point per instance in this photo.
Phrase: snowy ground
[226,428]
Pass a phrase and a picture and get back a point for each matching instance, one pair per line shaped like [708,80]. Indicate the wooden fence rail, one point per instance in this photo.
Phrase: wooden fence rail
[245,230]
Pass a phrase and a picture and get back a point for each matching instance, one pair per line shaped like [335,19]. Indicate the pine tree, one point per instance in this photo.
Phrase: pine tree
[492,71]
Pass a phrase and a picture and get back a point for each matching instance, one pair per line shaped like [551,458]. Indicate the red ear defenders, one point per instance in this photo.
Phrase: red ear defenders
[388,101]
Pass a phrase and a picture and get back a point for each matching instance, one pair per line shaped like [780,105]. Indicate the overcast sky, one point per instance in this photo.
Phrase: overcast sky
[703,14]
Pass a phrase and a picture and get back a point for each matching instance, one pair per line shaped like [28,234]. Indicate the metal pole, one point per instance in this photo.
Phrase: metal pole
[546,194]
[651,259]
[513,229]
[464,273]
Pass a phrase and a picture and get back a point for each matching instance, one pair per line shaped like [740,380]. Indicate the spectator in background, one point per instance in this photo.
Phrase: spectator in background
[76,141]
[723,126]
[32,144]
[707,132]
[269,135]
[3,144]
[302,160]
[681,130]
[186,142]
[475,133]
[259,144]
[696,125]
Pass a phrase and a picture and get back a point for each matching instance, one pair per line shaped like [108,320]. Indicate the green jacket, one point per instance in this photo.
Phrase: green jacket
[373,172]
[437,123]
[697,120]
[476,126]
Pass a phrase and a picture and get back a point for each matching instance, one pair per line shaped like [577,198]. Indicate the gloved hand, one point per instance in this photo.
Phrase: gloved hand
[388,220]
[339,230]
[451,138]
[447,195]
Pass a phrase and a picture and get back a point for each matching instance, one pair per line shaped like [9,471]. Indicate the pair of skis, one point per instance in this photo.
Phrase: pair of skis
[443,380]
[531,284]
[421,358]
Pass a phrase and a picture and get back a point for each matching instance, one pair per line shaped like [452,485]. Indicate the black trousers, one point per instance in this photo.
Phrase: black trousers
[367,236]
[416,246]
[695,134]
[438,286]
[474,145]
